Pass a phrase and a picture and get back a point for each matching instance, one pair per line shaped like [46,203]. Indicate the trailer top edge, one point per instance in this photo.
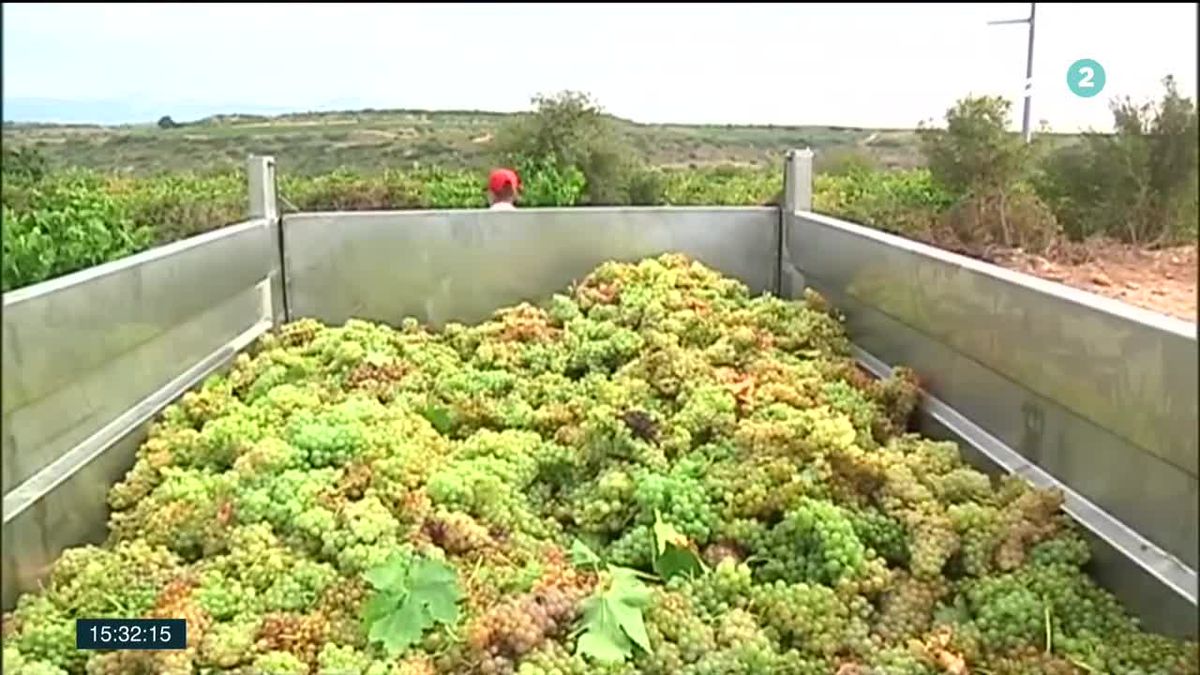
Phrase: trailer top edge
[56,284]
[1099,303]
[527,210]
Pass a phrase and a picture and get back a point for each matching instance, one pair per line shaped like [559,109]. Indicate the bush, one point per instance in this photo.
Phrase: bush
[717,186]
[843,162]
[1138,184]
[904,202]
[985,166]
[647,187]
[177,206]
[344,190]
[569,131]
[545,183]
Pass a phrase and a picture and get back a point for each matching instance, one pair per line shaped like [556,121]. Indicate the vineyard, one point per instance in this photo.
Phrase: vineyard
[67,221]
[1072,210]
[655,472]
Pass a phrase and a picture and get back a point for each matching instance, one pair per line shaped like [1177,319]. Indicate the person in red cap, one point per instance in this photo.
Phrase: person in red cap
[503,186]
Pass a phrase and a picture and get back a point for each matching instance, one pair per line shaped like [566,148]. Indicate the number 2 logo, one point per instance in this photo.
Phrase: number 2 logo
[1085,78]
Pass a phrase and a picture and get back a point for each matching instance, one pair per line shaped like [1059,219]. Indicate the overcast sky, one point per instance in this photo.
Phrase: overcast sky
[851,65]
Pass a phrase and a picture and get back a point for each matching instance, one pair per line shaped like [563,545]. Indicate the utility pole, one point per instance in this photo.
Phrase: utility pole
[1026,130]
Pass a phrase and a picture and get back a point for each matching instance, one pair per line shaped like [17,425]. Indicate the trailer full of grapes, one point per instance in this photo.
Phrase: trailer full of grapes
[595,440]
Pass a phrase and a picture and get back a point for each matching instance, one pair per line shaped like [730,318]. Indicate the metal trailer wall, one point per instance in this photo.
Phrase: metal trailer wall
[1053,384]
[90,358]
[441,266]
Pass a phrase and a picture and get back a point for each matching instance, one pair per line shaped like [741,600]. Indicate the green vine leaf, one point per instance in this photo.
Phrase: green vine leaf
[582,556]
[673,553]
[440,417]
[411,596]
[612,622]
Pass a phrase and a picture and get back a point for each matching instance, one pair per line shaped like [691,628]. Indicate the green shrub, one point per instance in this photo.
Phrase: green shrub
[904,202]
[844,161]
[571,131]
[987,169]
[1138,184]
[177,206]
[721,186]
[545,183]
[647,187]
[449,189]
[23,165]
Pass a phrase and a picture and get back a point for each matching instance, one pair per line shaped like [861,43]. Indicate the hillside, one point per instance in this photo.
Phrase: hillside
[314,143]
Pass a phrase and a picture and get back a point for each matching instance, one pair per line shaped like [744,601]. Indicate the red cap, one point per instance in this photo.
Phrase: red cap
[502,177]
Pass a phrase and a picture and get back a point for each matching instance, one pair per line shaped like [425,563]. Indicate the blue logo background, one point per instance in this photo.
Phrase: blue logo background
[1086,78]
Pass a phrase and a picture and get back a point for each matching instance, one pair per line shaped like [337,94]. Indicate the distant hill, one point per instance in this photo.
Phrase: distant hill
[369,140]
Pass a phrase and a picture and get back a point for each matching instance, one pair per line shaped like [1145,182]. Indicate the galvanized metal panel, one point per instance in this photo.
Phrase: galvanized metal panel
[80,350]
[1099,395]
[1130,370]
[1161,592]
[1152,583]
[463,265]
[64,504]
[1134,485]
[74,514]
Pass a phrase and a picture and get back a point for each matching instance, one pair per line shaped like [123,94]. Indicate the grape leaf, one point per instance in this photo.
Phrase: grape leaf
[612,619]
[380,605]
[435,585]
[676,561]
[390,576]
[410,598]
[673,553]
[627,597]
[582,556]
[608,646]
[440,417]
[400,628]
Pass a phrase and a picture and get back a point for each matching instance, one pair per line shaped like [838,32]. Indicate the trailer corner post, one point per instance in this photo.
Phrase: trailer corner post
[260,172]
[797,181]
[797,196]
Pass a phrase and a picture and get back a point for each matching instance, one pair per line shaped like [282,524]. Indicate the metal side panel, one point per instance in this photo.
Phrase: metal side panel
[442,266]
[80,350]
[1152,584]
[64,504]
[1096,395]
[90,358]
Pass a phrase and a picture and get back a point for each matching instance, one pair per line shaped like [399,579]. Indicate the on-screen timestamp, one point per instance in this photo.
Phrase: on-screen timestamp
[147,634]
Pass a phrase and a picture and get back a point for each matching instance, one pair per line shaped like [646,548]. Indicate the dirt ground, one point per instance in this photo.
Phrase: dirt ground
[1163,281]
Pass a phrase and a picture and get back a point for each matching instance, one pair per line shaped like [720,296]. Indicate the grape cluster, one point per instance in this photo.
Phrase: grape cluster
[44,633]
[816,542]
[672,618]
[301,635]
[881,535]
[907,609]
[228,644]
[812,618]
[725,589]
[224,598]
[515,627]
[607,508]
